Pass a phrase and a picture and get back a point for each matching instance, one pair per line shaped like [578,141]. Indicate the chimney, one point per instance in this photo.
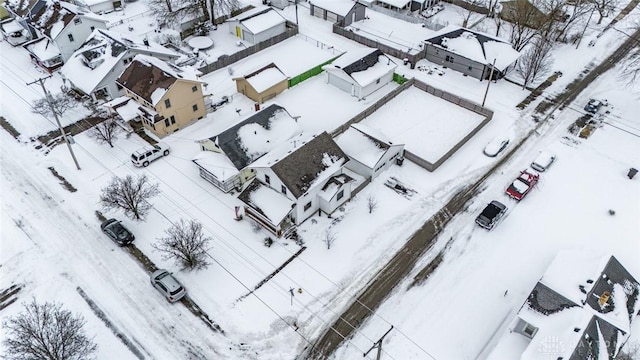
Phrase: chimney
[145,41]
[604,298]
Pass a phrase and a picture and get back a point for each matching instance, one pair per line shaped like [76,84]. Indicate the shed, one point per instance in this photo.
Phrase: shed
[344,12]
[257,25]
[262,84]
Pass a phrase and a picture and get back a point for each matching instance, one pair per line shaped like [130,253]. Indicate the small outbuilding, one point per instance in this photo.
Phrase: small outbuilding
[262,84]
[360,72]
[338,11]
[257,25]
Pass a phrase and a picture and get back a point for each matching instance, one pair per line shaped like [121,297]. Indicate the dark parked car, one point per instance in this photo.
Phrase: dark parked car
[117,232]
[491,214]
[168,285]
[594,105]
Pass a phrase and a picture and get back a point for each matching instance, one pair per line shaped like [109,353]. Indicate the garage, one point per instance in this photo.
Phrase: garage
[340,83]
[318,12]
[332,17]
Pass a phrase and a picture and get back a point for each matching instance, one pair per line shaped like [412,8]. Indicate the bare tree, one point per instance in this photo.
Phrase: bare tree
[185,244]
[47,332]
[468,13]
[603,7]
[631,65]
[329,237]
[630,351]
[372,203]
[535,62]
[130,195]
[523,20]
[105,132]
[222,7]
[175,12]
[61,103]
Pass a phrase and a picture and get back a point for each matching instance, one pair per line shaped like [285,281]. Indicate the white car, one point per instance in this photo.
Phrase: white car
[543,161]
[145,155]
[495,146]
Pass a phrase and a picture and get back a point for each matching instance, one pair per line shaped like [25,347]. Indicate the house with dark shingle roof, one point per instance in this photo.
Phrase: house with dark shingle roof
[62,28]
[471,53]
[225,158]
[360,72]
[581,308]
[172,95]
[307,175]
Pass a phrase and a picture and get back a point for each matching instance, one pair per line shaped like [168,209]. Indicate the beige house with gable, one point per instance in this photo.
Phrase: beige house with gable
[169,97]
[262,84]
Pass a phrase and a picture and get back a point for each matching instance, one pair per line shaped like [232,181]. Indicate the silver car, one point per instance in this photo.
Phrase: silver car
[164,281]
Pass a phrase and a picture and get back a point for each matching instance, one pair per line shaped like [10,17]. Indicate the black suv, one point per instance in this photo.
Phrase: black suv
[491,214]
[117,232]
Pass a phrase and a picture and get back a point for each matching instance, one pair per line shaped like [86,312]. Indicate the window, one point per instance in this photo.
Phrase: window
[283,189]
[125,61]
[529,330]
[470,68]
[173,119]
[449,58]
[267,180]
[194,88]
[70,37]
[92,28]
[340,195]
[167,103]
[307,206]
[195,107]
[166,123]
[378,81]
[77,21]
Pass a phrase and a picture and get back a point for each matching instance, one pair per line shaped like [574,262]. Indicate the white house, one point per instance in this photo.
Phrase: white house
[583,307]
[370,153]
[95,66]
[296,180]
[360,72]
[257,25]
[225,158]
[62,27]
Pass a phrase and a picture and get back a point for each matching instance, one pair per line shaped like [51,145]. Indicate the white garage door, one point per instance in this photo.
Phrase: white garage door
[332,17]
[340,83]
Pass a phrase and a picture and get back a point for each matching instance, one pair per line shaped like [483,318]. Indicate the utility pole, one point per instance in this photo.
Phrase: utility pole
[378,345]
[585,27]
[489,83]
[47,95]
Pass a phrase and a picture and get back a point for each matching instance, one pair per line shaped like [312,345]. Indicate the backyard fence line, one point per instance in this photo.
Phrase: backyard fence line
[428,23]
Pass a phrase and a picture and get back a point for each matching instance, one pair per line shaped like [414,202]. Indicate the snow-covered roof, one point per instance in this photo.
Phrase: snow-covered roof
[255,136]
[266,78]
[340,7]
[361,147]
[126,107]
[476,46]
[95,59]
[303,162]
[56,15]
[362,66]
[269,202]
[396,3]
[150,78]
[583,300]
[217,164]
[43,48]
[11,26]
[262,22]
[250,13]
[23,7]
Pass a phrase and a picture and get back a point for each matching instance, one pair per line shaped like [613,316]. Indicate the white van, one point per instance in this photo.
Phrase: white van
[142,157]
[543,161]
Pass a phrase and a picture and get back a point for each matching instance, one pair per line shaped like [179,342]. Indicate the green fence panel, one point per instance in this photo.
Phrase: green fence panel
[310,73]
[399,78]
